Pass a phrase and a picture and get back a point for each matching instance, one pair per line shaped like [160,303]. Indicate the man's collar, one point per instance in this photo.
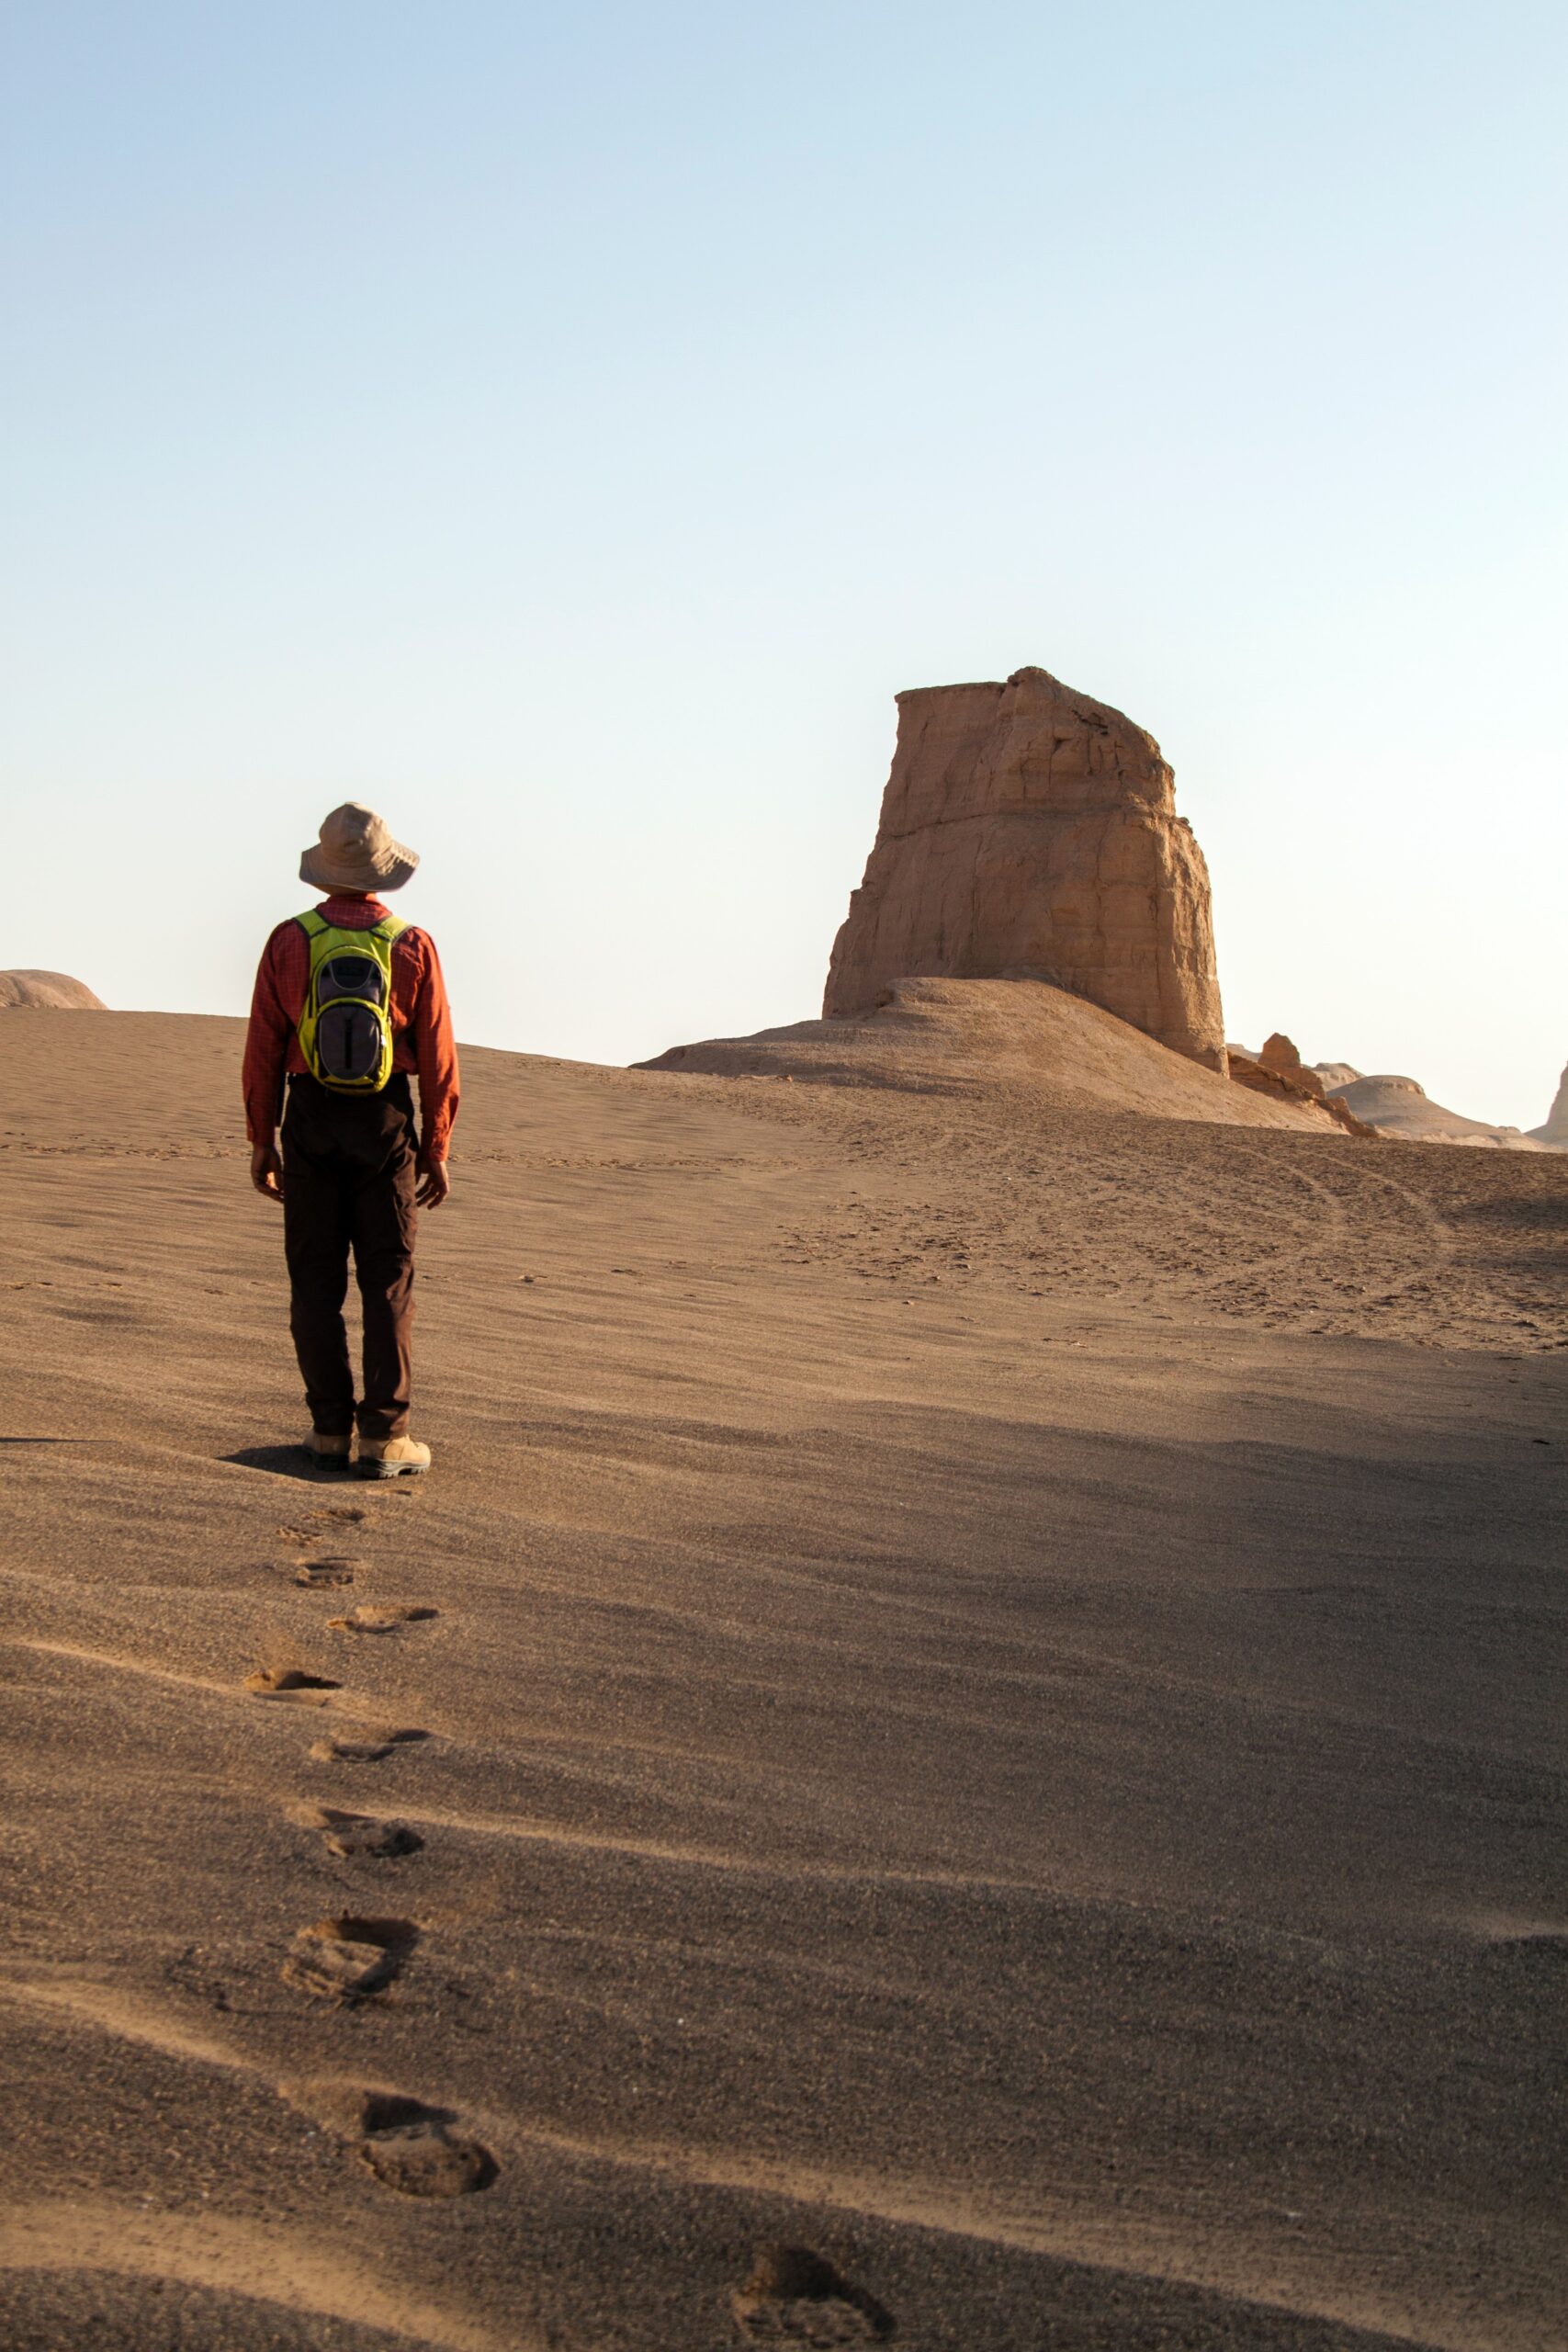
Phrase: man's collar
[365,898]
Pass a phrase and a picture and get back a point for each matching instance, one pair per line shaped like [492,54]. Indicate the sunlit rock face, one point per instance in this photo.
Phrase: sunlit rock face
[1030,831]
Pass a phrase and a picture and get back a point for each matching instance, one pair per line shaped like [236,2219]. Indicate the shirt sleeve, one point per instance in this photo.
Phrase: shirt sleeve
[435,1051]
[266,1049]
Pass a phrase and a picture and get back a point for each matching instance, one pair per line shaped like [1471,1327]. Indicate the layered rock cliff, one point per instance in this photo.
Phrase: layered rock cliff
[1029,831]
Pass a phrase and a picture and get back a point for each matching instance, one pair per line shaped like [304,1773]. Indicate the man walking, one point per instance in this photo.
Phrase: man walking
[348,1004]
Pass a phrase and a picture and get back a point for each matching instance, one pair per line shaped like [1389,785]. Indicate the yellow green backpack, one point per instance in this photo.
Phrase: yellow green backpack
[345,1030]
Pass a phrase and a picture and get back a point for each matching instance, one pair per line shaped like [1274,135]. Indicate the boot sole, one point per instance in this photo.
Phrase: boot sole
[392,1469]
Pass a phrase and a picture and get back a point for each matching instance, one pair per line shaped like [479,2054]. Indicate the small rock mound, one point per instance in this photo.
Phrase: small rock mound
[48,993]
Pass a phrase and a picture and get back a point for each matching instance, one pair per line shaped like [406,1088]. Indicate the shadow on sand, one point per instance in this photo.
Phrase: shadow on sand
[287,1461]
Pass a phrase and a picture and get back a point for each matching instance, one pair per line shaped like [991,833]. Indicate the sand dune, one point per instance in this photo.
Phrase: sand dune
[999,1040]
[976,1689]
[46,992]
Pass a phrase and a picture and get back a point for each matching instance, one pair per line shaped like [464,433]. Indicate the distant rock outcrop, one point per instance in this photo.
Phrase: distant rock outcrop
[1280,1053]
[1398,1107]
[48,993]
[1279,1070]
[1555,1131]
[1028,831]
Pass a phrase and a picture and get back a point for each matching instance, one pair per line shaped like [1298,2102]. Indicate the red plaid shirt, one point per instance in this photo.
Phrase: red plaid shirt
[422,1023]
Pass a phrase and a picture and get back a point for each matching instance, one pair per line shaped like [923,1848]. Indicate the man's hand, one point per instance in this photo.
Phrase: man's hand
[267,1171]
[434,1183]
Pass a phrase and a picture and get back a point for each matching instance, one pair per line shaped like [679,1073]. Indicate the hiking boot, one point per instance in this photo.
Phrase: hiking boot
[328,1452]
[392,1457]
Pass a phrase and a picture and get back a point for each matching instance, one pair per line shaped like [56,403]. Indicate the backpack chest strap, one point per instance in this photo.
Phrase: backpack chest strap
[313,924]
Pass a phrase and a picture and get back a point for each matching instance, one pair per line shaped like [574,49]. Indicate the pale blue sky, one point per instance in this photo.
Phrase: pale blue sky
[567,429]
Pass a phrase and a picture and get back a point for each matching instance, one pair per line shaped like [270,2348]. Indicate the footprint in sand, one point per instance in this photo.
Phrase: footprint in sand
[415,2149]
[349,1959]
[362,1744]
[794,2296]
[351,1835]
[290,1683]
[354,1514]
[382,1617]
[319,1576]
[1542,1951]
[313,1530]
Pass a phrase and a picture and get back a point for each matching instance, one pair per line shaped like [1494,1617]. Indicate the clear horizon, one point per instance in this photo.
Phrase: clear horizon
[568,436]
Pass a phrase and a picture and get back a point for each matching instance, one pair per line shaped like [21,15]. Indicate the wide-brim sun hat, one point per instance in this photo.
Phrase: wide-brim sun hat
[356,851]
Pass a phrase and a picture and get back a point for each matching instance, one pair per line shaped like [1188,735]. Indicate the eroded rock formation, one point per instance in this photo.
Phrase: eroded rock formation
[1555,1131]
[48,991]
[1028,831]
[1279,1070]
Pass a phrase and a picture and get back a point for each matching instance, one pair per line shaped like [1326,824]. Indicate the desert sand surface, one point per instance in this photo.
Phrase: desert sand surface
[976,1689]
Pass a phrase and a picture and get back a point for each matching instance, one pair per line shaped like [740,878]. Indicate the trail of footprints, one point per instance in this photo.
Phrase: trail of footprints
[285,1678]
[792,2295]
[354,1958]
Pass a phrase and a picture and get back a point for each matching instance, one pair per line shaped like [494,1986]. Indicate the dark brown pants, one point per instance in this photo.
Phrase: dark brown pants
[348,1184]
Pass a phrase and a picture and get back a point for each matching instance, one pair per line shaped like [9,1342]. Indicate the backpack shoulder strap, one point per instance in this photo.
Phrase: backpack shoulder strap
[390,927]
[311,924]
